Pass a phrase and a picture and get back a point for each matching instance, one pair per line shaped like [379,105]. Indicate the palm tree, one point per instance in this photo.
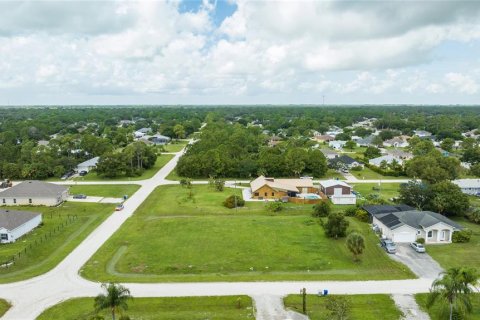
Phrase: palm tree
[115,299]
[454,290]
[356,244]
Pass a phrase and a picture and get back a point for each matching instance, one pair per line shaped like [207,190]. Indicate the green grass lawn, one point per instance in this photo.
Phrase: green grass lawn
[47,247]
[333,174]
[147,174]
[4,306]
[362,307]
[154,247]
[106,190]
[386,190]
[459,254]
[188,308]
[435,311]
[175,146]
[369,174]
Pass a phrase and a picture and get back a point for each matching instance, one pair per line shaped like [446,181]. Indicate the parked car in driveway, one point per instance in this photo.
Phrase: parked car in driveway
[418,247]
[82,173]
[79,196]
[388,245]
[119,207]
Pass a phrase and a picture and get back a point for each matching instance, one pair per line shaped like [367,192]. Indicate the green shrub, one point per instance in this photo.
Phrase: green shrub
[362,215]
[421,240]
[230,202]
[462,236]
[474,216]
[336,225]
[357,168]
[321,209]
[274,206]
[350,212]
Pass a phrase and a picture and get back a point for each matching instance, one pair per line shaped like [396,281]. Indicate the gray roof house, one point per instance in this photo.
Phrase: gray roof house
[34,192]
[402,224]
[468,186]
[366,142]
[14,224]
[88,165]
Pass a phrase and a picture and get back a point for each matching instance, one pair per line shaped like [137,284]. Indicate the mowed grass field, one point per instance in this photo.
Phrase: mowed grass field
[165,241]
[105,190]
[147,174]
[435,311]
[4,306]
[175,146]
[188,308]
[48,244]
[362,307]
[369,174]
[459,254]
[383,190]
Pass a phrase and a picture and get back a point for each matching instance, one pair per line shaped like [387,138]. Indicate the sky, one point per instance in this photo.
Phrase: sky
[239,52]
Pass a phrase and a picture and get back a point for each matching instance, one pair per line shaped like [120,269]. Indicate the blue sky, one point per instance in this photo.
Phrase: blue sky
[239,52]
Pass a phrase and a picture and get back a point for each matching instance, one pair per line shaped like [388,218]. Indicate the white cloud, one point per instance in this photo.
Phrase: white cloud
[464,83]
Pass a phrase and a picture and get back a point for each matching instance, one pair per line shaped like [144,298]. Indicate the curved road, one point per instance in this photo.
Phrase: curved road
[30,297]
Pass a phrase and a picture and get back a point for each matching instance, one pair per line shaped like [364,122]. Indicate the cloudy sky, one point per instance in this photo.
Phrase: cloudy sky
[240,52]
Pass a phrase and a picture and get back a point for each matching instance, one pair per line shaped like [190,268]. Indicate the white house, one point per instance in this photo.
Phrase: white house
[469,186]
[397,142]
[14,224]
[34,192]
[338,192]
[388,160]
[403,224]
[88,165]
[329,154]
[142,132]
[422,133]
[337,144]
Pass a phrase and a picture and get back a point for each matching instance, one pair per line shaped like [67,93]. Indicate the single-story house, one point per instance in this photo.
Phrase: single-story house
[88,165]
[14,224]
[344,162]
[34,192]
[468,186]
[142,132]
[334,130]
[337,144]
[271,188]
[366,142]
[159,139]
[338,191]
[43,143]
[388,160]
[323,138]
[402,225]
[422,133]
[274,140]
[400,154]
[329,154]
[397,142]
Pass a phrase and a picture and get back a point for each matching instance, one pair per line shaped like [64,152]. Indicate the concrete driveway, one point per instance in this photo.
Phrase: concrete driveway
[420,263]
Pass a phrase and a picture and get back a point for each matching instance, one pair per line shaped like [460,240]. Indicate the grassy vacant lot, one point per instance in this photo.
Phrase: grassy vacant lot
[435,311]
[363,307]
[459,254]
[147,174]
[175,200]
[369,174]
[169,241]
[47,245]
[189,308]
[175,146]
[106,190]
[4,306]
[333,174]
[386,190]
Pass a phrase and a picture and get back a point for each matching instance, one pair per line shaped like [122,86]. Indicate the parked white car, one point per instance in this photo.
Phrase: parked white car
[420,248]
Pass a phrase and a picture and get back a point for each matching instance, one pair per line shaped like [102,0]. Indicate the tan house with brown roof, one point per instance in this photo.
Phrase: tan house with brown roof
[271,188]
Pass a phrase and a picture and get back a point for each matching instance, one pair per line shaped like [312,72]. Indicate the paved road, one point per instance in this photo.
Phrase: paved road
[30,297]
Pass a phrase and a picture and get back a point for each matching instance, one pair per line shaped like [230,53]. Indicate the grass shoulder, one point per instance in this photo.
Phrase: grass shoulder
[435,311]
[183,308]
[105,190]
[4,307]
[362,307]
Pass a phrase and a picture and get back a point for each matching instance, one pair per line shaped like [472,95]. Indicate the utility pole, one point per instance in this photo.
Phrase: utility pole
[303,292]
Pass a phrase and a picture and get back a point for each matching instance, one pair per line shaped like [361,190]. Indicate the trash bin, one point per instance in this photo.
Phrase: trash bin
[125,197]
[325,292]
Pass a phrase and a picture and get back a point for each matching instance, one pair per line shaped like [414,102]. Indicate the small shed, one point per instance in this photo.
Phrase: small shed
[14,224]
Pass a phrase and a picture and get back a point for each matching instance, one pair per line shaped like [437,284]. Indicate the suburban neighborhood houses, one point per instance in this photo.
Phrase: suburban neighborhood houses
[33,192]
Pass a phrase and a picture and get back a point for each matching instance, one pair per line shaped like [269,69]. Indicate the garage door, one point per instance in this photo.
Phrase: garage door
[403,237]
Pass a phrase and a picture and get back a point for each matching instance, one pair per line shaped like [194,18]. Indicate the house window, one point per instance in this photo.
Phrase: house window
[3,201]
[418,232]
[256,194]
[14,200]
[30,201]
[430,234]
[4,236]
[266,194]
[273,194]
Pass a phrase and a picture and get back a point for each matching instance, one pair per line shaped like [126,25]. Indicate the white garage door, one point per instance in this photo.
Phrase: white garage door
[403,237]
